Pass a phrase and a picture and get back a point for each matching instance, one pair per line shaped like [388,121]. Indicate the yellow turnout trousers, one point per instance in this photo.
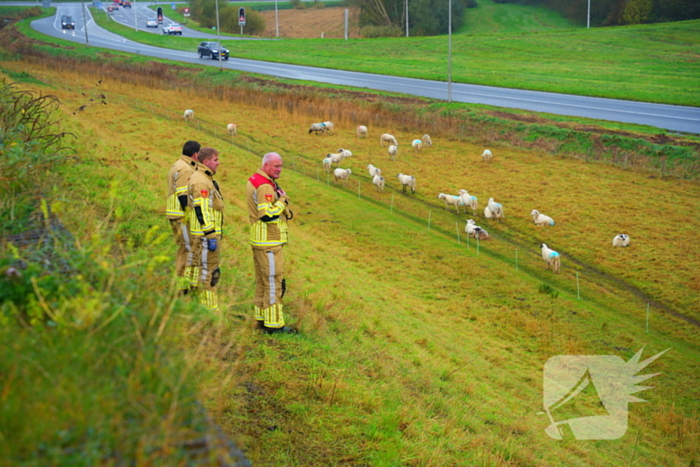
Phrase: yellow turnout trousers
[184,260]
[269,272]
[208,272]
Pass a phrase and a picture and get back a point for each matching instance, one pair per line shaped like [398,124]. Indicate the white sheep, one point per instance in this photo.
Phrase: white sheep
[317,128]
[469,200]
[486,155]
[342,174]
[551,257]
[361,131]
[417,145]
[345,152]
[336,158]
[329,126]
[451,200]
[378,181]
[232,129]
[427,142]
[373,170]
[188,115]
[407,181]
[393,150]
[327,164]
[387,138]
[475,231]
[621,240]
[541,219]
[495,209]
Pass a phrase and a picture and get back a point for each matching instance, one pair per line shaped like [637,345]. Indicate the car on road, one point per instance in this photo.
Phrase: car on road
[67,22]
[213,50]
[126,4]
[172,28]
[151,23]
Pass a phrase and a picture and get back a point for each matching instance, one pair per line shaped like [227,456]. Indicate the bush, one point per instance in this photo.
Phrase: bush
[372,32]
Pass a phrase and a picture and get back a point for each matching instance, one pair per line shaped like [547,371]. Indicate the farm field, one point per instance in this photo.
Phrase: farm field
[417,346]
[311,22]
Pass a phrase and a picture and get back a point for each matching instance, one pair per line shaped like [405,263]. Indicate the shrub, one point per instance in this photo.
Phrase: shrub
[372,32]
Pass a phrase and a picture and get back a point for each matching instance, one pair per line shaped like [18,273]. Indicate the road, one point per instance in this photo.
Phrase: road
[669,117]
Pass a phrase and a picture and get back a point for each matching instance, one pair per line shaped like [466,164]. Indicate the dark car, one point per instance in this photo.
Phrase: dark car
[67,22]
[213,50]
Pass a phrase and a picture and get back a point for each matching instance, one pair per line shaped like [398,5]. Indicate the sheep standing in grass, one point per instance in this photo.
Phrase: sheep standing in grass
[407,181]
[342,175]
[361,131]
[486,155]
[469,200]
[378,182]
[232,129]
[621,240]
[329,126]
[551,257]
[475,231]
[317,128]
[417,145]
[451,200]
[393,150]
[327,164]
[188,115]
[345,152]
[389,139]
[427,142]
[541,219]
[495,210]
[373,171]
[336,158]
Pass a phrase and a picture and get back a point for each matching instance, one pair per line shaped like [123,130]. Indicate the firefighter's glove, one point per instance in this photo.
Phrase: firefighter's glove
[211,244]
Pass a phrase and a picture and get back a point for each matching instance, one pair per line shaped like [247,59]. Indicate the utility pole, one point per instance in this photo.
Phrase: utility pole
[277,22]
[406,18]
[85,23]
[218,35]
[449,53]
[588,19]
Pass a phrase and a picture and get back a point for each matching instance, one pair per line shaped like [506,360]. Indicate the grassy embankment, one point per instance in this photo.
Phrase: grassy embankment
[414,349]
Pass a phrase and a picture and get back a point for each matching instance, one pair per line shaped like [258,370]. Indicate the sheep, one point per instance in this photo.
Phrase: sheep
[329,126]
[345,152]
[496,210]
[336,158]
[378,181]
[188,115]
[621,240]
[387,138]
[469,200]
[317,128]
[232,129]
[327,164]
[453,200]
[417,145]
[541,219]
[475,231]
[486,155]
[407,181]
[342,174]
[427,142]
[373,170]
[551,257]
[392,151]
[361,131]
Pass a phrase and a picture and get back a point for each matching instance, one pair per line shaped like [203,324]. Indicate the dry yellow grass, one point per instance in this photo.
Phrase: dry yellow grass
[312,23]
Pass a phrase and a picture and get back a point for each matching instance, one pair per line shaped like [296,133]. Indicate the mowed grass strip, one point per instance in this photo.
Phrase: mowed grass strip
[414,350]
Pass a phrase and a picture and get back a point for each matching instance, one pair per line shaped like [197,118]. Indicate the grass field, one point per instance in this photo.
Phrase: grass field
[417,347]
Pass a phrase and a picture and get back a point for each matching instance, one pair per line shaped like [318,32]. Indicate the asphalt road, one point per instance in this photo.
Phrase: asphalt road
[669,117]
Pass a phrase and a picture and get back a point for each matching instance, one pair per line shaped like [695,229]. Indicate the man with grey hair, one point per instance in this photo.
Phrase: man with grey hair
[268,212]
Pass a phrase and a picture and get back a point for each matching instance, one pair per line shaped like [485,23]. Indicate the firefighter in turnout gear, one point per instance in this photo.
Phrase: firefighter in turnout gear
[177,212]
[206,222]
[268,212]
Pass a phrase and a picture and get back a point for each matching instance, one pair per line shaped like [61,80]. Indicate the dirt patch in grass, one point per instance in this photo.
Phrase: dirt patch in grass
[312,23]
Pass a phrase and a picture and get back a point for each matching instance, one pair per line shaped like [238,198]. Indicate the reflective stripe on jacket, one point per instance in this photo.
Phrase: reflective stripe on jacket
[267,213]
[204,193]
[179,174]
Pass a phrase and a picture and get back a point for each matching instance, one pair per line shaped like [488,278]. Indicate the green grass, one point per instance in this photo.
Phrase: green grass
[499,18]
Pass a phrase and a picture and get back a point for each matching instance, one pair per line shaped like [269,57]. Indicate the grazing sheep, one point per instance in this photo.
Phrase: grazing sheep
[336,158]
[475,231]
[345,152]
[342,174]
[188,115]
[378,181]
[541,219]
[427,142]
[317,128]
[329,126]
[469,200]
[327,164]
[486,155]
[232,129]
[451,200]
[373,170]
[417,145]
[361,131]
[393,150]
[621,240]
[551,257]
[387,138]
[407,181]
[487,213]
[496,210]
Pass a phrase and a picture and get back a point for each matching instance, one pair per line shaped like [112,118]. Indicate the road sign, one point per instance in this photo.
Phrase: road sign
[241,16]
[186,12]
